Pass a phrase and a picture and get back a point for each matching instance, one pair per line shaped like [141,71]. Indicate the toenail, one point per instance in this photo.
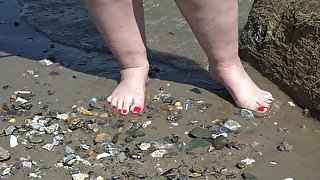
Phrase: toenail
[119,110]
[113,107]
[261,108]
[124,111]
[136,109]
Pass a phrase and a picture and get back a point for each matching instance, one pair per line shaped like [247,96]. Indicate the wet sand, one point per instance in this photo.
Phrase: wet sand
[96,76]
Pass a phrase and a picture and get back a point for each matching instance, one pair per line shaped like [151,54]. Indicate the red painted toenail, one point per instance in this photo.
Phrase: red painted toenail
[113,107]
[136,109]
[119,110]
[261,108]
[124,111]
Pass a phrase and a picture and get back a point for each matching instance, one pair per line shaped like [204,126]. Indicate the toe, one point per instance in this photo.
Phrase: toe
[120,105]
[262,102]
[109,99]
[126,106]
[138,104]
[268,95]
[114,103]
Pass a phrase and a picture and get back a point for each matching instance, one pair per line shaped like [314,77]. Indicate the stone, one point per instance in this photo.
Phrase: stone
[197,143]
[138,134]
[201,132]
[94,104]
[13,141]
[69,160]
[144,146]
[248,161]
[281,40]
[170,155]
[285,147]
[247,176]
[4,154]
[122,157]
[159,153]
[45,62]
[35,140]
[245,113]
[220,142]
[68,150]
[166,98]
[232,125]
[103,155]
[79,176]
[9,130]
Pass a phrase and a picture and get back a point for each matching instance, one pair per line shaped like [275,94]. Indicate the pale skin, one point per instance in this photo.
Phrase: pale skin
[215,25]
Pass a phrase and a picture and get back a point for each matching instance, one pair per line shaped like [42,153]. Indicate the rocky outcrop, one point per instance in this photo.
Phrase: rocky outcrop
[282,40]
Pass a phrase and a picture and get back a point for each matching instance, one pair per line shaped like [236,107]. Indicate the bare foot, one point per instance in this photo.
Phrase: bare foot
[244,91]
[129,94]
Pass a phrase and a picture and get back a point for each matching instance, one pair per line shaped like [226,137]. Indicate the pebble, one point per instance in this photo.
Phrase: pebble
[4,154]
[201,132]
[103,155]
[45,62]
[159,153]
[146,124]
[220,142]
[122,157]
[80,176]
[285,147]
[48,147]
[138,134]
[247,176]
[232,125]
[144,146]
[248,161]
[9,130]
[245,113]
[69,160]
[6,171]
[166,98]
[68,150]
[35,140]
[13,141]
[94,104]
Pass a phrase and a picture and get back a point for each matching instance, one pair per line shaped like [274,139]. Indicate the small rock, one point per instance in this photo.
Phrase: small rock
[69,160]
[285,147]
[159,153]
[103,155]
[68,150]
[247,176]
[4,154]
[144,146]
[248,161]
[245,113]
[146,124]
[195,90]
[13,141]
[166,98]
[232,125]
[122,157]
[54,73]
[6,171]
[48,147]
[9,130]
[220,142]
[21,100]
[201,132]
[138,134]
[80,176]
[94,104]
[45,62]
[35,140]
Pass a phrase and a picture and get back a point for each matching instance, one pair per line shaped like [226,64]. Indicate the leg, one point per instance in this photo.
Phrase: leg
[121,24]
[215,25]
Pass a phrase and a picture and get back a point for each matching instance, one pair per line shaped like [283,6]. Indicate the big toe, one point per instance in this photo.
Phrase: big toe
[138,104]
